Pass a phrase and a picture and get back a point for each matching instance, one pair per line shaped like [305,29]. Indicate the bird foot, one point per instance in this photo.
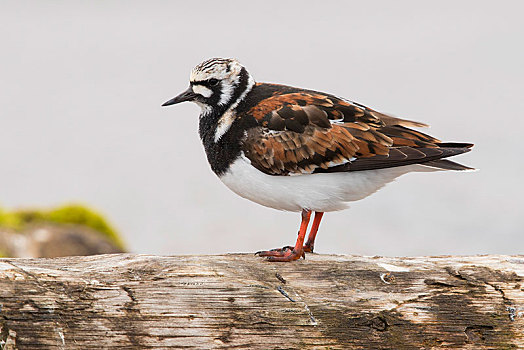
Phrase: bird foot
[286,253]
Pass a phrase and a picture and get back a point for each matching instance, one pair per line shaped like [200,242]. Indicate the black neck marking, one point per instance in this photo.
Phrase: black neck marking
[222,153]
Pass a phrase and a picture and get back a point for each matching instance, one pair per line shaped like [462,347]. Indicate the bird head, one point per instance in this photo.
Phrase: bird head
[216,84]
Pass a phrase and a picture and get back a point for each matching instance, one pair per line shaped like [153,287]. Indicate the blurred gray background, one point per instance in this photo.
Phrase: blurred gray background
[82,83]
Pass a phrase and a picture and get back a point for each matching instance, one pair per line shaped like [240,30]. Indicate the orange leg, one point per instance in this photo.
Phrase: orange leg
[289,253]
[308,247]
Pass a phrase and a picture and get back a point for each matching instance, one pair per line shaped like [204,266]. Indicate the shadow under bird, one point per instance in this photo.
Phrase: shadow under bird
[301,150]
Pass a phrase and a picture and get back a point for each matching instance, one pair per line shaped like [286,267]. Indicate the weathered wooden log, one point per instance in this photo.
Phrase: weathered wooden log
[240,301]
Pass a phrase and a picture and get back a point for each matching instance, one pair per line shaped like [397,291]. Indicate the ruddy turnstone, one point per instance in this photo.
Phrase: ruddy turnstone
[301,150]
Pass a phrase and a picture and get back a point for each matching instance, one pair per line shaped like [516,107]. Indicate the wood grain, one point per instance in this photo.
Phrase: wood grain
[125,301]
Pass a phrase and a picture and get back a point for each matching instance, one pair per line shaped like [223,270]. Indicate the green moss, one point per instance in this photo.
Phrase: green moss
[10,220]
[67,214]
[80,215]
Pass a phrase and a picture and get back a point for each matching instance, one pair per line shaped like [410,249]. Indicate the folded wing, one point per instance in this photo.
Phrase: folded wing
[301,131]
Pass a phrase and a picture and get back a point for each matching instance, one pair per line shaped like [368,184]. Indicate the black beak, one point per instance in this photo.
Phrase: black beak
[187,95]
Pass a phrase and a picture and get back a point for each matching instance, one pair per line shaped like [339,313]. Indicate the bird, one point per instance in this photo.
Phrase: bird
[301,150]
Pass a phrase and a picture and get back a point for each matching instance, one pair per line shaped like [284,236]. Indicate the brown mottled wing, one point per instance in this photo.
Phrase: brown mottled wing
[305,132]
[288,152]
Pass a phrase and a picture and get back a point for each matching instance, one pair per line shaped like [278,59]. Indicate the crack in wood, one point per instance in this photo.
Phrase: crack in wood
[280,278]
[284,293]
[312,318]
[482,277]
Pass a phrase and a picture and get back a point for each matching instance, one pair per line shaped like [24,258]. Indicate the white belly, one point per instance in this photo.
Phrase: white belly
[317,192]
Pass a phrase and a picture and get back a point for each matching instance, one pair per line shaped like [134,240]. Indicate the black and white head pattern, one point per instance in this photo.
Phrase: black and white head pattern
[220,84]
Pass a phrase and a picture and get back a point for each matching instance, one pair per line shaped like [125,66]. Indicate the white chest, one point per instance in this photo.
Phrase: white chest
[317,192]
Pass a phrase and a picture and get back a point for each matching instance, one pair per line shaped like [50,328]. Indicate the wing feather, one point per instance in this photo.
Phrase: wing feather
[301,131]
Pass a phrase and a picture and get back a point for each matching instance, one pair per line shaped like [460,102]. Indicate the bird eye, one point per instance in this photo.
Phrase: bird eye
[213,82]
